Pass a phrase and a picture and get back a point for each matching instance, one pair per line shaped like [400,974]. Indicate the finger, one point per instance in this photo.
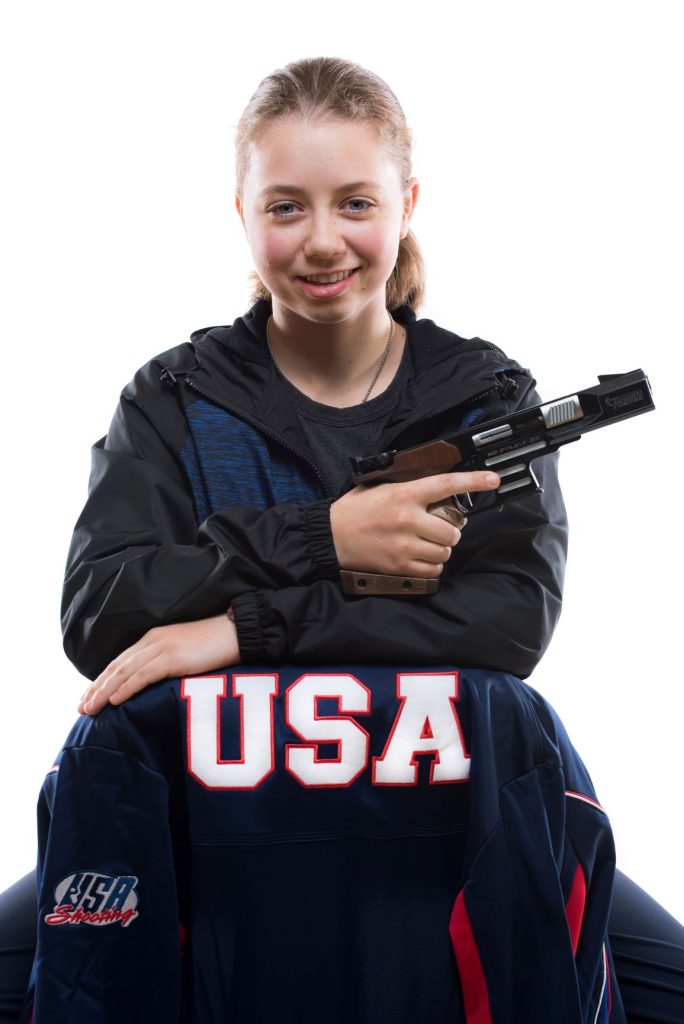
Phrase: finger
[90,699]
[436,488]
[92,694]
[447,511]
[435,530]
[97,694]
[433,554]
[114,676]
[94,701]
[424,570]
[152,672]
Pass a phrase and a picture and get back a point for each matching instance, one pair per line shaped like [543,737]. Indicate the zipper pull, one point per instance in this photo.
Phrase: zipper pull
[509,387]
[168,378]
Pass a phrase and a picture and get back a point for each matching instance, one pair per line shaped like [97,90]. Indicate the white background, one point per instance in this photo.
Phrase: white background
[548,144]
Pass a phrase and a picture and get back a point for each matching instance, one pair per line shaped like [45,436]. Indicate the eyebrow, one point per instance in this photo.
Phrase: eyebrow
[352,186]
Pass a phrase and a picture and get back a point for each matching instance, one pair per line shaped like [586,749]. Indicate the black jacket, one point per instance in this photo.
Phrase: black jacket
[203,494]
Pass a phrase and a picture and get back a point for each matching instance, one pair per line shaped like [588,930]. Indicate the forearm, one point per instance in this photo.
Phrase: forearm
[468,623]
[497,605]
[138,559]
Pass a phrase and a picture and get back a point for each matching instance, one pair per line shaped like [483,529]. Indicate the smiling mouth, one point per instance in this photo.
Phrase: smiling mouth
[339,275]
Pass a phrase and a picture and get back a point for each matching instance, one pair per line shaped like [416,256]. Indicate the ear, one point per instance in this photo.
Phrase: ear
[240,209]
[411,191]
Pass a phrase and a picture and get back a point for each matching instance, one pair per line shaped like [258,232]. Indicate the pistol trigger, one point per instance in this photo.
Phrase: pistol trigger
[463,503]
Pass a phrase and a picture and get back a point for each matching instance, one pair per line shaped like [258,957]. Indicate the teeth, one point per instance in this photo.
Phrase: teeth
[328,278]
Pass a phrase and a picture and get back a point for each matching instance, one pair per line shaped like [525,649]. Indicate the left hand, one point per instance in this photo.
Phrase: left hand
[185,648]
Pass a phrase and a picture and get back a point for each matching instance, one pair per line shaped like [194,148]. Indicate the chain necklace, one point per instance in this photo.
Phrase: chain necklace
[378,369]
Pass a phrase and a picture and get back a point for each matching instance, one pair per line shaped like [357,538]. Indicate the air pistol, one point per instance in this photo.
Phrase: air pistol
[507,445]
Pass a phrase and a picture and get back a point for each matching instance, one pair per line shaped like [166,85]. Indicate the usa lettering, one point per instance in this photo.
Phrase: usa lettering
[426,725]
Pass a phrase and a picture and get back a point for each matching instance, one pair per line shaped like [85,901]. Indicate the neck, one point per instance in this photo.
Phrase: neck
[335,363]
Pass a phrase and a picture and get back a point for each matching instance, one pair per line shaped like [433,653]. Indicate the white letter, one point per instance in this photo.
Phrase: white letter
[301,704]
[256,730]
[426,723]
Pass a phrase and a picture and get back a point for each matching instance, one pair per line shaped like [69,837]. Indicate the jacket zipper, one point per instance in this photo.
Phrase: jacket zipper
[169,378]
[507,388]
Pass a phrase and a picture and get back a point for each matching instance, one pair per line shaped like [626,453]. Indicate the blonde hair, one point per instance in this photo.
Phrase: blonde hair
[327,86]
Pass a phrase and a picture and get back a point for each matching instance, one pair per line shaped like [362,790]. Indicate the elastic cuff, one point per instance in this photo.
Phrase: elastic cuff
[320,539]
[247,615]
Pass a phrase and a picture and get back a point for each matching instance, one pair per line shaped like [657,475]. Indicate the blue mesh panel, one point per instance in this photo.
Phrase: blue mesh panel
[471,418]
[238,466]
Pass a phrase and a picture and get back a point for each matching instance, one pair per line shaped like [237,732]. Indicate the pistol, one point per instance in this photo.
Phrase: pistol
[506,445]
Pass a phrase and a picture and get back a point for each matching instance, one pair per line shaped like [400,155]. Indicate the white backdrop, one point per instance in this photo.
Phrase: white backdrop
[549,149]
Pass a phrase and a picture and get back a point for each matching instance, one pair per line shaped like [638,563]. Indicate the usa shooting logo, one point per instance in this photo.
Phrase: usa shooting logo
[87,897]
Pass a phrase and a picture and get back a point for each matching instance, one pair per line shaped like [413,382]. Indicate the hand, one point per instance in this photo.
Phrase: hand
[185,648]
[387,529]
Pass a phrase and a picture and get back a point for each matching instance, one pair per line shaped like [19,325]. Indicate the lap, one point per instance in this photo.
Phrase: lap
[17,944]
[647,945]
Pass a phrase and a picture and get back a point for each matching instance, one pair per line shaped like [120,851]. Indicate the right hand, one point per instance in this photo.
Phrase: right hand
[386,528]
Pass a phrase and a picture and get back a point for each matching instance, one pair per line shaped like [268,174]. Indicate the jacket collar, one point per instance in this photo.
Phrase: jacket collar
[448,372]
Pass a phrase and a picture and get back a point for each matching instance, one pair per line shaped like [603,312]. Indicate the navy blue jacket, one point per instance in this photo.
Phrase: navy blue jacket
[376,845]
[204,494]
[354,897]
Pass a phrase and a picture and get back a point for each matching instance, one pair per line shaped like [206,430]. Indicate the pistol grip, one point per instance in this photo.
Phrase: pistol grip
[362,584]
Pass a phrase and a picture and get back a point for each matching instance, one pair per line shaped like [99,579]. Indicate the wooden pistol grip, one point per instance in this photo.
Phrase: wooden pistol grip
[362,584]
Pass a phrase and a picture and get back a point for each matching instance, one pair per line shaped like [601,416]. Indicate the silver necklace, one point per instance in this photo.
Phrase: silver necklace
[378,369]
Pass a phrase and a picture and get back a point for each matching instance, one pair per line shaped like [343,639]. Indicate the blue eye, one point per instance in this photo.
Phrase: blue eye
[360,205]
[283,209]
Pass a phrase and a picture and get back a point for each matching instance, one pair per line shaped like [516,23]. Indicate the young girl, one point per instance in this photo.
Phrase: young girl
[320,369]
[221,508]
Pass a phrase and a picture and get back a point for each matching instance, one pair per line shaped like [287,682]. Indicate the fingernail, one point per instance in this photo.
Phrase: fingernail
[492,478]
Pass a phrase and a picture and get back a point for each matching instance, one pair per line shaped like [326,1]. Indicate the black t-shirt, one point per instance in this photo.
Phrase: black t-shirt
[334,435]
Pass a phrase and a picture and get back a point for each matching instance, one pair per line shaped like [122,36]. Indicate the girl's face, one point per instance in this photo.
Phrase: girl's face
[324,208]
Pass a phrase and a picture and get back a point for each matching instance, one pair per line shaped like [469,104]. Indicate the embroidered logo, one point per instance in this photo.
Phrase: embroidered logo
[87,897]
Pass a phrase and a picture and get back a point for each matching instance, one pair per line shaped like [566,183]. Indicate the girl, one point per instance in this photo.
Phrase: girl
[221,508]
[322,367]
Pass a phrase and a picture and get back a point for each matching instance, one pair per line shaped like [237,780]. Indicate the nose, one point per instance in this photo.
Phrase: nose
[324,240]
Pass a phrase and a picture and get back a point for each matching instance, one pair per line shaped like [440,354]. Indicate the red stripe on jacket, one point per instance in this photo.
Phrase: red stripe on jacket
[574,907]
[473,983]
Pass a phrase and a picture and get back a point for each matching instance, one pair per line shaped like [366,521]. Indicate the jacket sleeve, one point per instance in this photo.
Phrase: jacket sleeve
[529,925]
[496,608]
[138,559]
[108,944]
